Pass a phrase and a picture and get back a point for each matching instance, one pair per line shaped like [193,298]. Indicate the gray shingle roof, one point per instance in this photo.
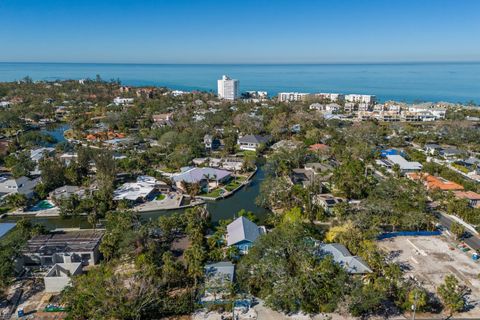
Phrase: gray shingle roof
[251,138]
[341,255]
[194,175]
[242,229]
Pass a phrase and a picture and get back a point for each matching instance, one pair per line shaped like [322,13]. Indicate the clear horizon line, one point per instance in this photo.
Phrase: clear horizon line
[255,63]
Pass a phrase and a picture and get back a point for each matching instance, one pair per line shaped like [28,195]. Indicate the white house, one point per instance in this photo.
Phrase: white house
[122,101]
[252,142]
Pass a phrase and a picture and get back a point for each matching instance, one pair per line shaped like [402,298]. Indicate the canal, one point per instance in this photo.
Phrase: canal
[221,209]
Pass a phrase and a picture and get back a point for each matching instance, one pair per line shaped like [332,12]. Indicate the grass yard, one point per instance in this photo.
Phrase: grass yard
[213,194]
[160,197]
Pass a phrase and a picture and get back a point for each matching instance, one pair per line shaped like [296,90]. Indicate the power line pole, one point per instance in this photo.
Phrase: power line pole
[414,307]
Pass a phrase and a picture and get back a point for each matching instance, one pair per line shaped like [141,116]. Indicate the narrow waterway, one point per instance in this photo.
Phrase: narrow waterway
[221,209]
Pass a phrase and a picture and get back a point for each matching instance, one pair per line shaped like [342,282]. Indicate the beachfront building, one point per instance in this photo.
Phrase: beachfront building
[333,97]
[242,233]
[228,89]
[292,96]
[252,142]
[360,98]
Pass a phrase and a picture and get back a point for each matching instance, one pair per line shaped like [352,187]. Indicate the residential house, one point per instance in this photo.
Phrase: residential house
[118,101]
[211,142]
[63,247]
[434,183]
[242,233]
[341,255]
[202,176]
[159,185]
[252,142]
[288,145]
[22,185]
[327,201]
[134,191]
[162,119]
[472,197]
[451,152]
[470,163]
[59,276]
[304,177]
[405,166]
[432,148]
[66,192]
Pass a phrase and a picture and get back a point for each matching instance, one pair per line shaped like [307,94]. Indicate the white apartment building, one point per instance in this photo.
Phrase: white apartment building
[360,98]
[438,113]
[292,96]
[228,89]
[333,97]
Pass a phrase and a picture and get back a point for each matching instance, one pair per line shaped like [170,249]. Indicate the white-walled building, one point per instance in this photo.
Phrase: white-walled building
[333,97]
[292,96]
[122,101]
[360,98]
[228,89]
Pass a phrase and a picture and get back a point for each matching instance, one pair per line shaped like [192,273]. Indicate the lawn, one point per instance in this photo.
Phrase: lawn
[232,185]
[214,194]
[160,197]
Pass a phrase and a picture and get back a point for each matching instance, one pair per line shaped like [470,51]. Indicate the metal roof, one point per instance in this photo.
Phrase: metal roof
[240,230]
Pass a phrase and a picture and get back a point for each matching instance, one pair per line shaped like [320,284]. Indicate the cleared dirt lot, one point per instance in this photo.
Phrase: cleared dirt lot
[430,259]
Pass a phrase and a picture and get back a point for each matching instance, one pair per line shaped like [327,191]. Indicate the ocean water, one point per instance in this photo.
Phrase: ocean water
[410,82]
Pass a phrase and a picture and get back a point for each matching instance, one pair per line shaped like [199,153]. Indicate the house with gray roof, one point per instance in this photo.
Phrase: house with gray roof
[251,142]
[201,176]
[341,255]
[66,192]
[405,166]
[242,233]
[22,185]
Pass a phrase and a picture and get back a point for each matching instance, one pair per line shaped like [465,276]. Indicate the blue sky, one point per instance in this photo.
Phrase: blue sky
[247,31]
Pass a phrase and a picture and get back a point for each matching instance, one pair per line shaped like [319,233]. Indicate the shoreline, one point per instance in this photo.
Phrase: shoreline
[230,193]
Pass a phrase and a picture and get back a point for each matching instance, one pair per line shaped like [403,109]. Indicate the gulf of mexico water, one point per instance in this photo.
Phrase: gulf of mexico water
[409,82]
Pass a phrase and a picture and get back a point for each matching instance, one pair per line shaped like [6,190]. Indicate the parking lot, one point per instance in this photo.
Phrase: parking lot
[429,259]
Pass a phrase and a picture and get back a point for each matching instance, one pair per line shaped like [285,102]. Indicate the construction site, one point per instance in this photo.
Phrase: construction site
[429,259]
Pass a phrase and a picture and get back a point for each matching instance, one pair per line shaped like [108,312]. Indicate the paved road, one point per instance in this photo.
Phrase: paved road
[472,240]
